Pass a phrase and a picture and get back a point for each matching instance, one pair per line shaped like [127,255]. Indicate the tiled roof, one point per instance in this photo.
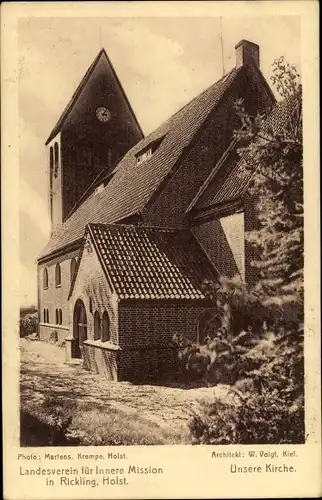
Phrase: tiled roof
[234,184]
[133,185]
[79,90]
[151,263]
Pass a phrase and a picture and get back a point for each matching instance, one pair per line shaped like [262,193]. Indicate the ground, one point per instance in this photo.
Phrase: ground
[90,404]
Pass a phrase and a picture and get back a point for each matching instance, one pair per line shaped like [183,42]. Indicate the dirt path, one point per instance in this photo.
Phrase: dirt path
[44,374]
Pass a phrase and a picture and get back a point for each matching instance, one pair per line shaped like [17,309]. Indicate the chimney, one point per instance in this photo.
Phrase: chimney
[245,51]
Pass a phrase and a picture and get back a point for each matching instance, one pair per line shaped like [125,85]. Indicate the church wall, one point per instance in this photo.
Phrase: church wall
[146,329]
[223,240]
[168,207]
[92,288]
[54,297]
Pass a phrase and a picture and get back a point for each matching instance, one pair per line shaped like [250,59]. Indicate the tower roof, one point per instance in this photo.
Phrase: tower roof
[78,91]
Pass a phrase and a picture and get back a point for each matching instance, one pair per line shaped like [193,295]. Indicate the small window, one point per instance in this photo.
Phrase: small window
[90,306]
[57,318]
[72,268]
[144,156]
[45,316]
[57,275]
[105,327]
[97,326]
[45,278]
[60,317]
[146,152]
[56,158]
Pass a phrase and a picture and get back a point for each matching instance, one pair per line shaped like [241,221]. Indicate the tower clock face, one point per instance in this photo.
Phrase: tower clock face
[103,114]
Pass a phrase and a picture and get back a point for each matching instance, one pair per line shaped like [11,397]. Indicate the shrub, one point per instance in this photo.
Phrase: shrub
[28,324]
[265,418]
[53,337]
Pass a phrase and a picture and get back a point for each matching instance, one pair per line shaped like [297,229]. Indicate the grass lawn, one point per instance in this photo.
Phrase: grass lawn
[63,404]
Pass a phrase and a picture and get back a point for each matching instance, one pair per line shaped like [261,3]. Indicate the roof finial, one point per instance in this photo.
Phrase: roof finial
[222,46]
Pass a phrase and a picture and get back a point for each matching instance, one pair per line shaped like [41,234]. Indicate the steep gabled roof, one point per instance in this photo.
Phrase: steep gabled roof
[78,91]
[133,185]
[234,184]
[150,263]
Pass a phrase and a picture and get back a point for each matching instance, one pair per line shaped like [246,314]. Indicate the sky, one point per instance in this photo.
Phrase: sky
[162,63]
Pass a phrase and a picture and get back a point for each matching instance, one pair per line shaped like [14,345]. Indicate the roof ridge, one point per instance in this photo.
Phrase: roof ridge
[170,118]
[139,227]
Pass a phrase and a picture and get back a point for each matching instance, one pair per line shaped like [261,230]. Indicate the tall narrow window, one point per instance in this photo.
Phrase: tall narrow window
[51,173]
[57,275]
[60,317]
[97,326]
[56,158]
[45,278]
[45,316]
[105,327]
[72,268]
[57,318]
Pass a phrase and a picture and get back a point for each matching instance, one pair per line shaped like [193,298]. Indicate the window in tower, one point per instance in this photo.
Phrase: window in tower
[56,159]
[51,170]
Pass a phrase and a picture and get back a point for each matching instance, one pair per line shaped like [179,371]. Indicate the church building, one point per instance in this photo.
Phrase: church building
[138,223]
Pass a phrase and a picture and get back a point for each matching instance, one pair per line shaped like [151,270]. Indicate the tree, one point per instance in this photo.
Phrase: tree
[274,153]
[266,348]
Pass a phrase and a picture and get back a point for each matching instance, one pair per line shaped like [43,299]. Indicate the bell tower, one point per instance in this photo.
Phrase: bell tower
[94,132]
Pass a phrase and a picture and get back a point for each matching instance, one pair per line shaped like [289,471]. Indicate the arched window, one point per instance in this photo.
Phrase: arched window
[105,327]
[73,263]
[97,326]
[57,275]
[45,278]
[56,158]
[57,318]
[60,317]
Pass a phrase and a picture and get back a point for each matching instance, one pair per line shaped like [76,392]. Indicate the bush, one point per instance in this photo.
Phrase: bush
[264,418]
[53,337]
[28,324]
[265,365]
